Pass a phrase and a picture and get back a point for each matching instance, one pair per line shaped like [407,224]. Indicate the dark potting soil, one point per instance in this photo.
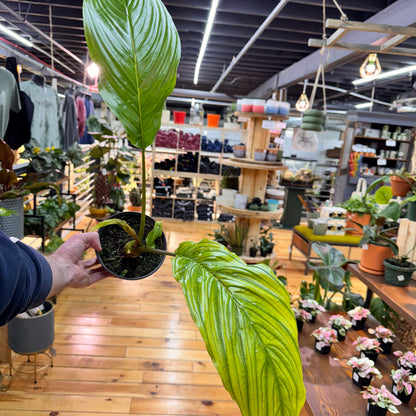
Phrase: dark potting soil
[113,239]
[400,263]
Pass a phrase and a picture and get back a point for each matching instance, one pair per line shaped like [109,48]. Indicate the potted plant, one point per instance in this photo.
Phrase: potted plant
[402,183]
[398,270]
[324,338]
[313,307]
[232,236]
[358,317]
[406,360]
[341,325]
[403,384]
[135,196]
[253,248]
[266,242]
[380,400]
[301,316]
[137,47]
[384,336]
[363,371]
[367,347]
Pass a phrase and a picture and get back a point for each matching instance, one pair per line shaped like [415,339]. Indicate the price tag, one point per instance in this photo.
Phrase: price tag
[242,119]
[356,377]
[395,390]
[390,143]
[362,355]
[381,162]
[280,125]
[318,346]
[400,278]
[365,247]
[269,125]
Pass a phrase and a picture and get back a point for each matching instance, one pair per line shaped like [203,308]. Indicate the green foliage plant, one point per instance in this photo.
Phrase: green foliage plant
[243,312]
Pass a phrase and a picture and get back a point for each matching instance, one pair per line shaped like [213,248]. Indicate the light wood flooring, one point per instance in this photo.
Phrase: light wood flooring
[131,348]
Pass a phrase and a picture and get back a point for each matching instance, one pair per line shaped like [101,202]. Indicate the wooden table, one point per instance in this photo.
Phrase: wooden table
[327,378]
[401,299]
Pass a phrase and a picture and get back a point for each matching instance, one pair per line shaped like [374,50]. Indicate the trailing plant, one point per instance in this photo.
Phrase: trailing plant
[137,47]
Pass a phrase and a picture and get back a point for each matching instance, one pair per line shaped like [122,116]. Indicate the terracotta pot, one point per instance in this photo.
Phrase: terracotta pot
[360,219]
[400,186]
[134,208]
[372,258]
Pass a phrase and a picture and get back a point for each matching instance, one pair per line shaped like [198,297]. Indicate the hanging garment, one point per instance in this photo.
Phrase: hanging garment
[18,129]
[9,98]
[46,127]
[69,120]
[89,107]
[81,115]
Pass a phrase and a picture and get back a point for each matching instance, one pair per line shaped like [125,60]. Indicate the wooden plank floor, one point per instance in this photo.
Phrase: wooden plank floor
[131,348]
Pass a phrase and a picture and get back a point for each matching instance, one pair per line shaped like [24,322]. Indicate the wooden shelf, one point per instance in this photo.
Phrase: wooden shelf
[262,115]
[255,164]
[191,175]
[247,213]
[382,138]
[387,158]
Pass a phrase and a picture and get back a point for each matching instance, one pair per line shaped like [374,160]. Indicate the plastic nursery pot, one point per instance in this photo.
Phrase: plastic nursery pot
[372,258]
[322,349]
[360,219]
[374,410]
[299,325]
[397,275]
[360,381]
[179,117]
[113,239]
[340,337]
[372,355]
[385,346]
[358,325]
[402,395]
[253,251]
[400,186]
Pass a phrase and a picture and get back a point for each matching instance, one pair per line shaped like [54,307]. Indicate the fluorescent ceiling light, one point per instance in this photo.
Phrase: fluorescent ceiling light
[15,36]
[364,105]
[388,74]
[207,34]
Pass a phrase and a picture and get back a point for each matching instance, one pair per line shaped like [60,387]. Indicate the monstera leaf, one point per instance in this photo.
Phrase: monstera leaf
[137,47]
[249,329]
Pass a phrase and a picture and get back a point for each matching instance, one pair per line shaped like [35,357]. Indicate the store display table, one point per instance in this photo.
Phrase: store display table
[327,378]
[303,238]
[401,299]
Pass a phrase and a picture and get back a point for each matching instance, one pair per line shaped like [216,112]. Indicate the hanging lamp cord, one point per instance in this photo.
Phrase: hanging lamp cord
[343,15]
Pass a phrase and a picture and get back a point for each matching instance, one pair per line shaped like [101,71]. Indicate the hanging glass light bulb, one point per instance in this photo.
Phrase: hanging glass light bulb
[303,103]
[370,67]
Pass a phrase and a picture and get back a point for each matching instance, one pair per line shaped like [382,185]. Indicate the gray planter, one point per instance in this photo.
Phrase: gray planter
[12,226]
[34,334]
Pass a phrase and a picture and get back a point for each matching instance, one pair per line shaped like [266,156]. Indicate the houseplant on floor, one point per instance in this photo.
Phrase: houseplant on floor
[137,48]
[380,400]
[363,371]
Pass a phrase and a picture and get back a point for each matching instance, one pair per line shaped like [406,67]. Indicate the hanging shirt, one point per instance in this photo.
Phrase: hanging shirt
[81,115]
[9,98]
[69,121]
[89,106]
[46,121]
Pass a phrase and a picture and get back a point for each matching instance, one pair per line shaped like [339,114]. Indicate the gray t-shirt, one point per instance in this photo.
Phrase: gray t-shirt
[9,98]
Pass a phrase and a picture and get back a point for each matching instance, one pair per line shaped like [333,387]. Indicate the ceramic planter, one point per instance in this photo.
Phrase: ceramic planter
[319,228]
[311,215]
[239,151]
[353,218]
[360,381]
[260,154]
[397,275]
[13,225]
[113,239]
[400,186]
[402,395]
[372,258]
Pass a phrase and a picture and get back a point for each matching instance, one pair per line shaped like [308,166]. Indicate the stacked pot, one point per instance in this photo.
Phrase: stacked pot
[313,120]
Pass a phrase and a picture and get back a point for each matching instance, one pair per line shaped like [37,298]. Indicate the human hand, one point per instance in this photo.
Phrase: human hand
[68,268]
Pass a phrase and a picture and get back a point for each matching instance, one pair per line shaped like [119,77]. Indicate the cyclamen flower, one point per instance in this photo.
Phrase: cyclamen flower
[403,379]
[366,344]
[382,398]
[358,313]
[364,367]
[407,359]
[302,315]
[382,333]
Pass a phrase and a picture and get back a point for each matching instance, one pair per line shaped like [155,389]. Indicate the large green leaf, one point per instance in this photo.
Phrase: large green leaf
[137,47]
[245,318]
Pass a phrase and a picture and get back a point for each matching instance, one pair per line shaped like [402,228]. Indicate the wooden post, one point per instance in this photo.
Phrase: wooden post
[4,345]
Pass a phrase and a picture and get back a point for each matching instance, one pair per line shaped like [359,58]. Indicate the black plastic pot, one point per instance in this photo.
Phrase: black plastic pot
[112,255]
[374,410]
[322,349]
[372,355]
[396,275]
[385,346]
[360,381]
[358,325]
[401,395]
[253,251]
[340,337]
[299,324]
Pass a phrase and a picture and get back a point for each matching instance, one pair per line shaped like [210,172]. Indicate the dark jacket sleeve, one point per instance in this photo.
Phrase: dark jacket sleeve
[25,278]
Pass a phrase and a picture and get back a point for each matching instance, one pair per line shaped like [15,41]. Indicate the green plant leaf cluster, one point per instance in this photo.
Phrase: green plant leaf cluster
[231,234]
[218,284]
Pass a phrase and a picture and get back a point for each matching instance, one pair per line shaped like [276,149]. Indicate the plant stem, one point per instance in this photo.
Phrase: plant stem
[143,216]
[157,251]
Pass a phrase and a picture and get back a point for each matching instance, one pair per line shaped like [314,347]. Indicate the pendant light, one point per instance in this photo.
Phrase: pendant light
[370,67]
[303,103]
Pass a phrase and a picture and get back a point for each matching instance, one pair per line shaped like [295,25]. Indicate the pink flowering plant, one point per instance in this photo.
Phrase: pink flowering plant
[324,336]
[340,323]
[358,313]
[382,397]
[302,315]
[364,367]
[405,359]
[404,380]
[383,334]
[311,306]
[366,344]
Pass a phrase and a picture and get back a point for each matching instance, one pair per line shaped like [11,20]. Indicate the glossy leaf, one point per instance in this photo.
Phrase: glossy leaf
[383,195]
[155,233]
[136,45]
[243,313]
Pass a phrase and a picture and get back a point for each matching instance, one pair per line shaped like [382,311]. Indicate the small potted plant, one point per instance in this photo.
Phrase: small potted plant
[368,347]
[380,400]
[253,248]
[324,338]
[406,360]
[135,197]
[301,316]
[358,317]
[363,371]
[341,325]
[403,384]
[232,236]
[313,307]
[398,270]
[384,337]
[266,242]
